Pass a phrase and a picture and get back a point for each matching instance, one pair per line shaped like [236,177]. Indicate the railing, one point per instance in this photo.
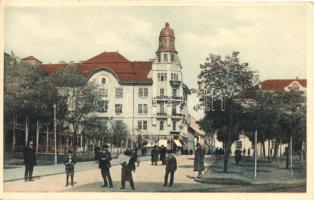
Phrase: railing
[175,83]
[161,115]
[168,98]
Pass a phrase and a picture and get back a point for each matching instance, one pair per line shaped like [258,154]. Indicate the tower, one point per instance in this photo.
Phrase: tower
[168,98]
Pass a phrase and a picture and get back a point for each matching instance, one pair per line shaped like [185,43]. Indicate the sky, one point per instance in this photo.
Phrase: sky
[272,39]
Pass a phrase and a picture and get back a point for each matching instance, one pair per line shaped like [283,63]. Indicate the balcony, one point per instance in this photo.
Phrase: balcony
[175,83]
[177,115]
[167,98]
[161,115]
[175,132]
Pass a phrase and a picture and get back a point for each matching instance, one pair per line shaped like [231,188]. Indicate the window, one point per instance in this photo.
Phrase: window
[162,108]
[174,92]
[142,125]
[166,57]
[119,92]
[172,57]
[162,76]
[103,92]
[162,92]
[174,109]
[174,77]
[161,125]
[158,57]
[174,125]
[118,108]
[143,92]
[142,108]
[103,80]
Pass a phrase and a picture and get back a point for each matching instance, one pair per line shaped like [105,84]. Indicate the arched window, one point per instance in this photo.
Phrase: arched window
[103,80]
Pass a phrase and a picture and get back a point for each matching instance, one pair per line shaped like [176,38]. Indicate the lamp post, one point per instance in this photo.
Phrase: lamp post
[55,131]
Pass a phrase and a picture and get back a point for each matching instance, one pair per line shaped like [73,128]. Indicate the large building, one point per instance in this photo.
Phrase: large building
[148,96]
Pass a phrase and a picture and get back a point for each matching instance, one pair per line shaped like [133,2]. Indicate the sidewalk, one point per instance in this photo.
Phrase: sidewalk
[243,173]
[17,173]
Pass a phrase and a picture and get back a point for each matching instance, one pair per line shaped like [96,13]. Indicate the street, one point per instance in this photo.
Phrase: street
[147,178]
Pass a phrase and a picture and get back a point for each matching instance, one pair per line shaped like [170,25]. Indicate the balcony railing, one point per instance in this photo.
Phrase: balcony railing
[177,115]
[161,115]
[168,98]
[175,83]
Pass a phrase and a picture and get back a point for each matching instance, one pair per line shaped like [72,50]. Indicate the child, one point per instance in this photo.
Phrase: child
[127,168]
[69,169]
[171,167]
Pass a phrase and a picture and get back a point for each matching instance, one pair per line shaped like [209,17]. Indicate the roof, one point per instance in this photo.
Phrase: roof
[277,85]
[194,125]
[31,58]
[126,71]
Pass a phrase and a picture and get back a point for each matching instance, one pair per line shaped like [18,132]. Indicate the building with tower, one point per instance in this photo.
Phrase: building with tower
[148,96]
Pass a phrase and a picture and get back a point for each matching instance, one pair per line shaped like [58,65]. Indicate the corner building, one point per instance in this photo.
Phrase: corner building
[148,96]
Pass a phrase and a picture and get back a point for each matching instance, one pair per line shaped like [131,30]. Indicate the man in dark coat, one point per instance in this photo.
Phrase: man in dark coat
[29,161]
[154,155]
[171,167]
[104,165]
[199,160]
[127,168]
[69,163]
[162,157]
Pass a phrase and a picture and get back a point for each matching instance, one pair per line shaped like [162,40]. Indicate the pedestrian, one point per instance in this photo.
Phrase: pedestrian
[104,165]
[154,155]
[199,160]
[171,167]
[237,156]
[249,152]
[287,157]
[244,151]
[29,161]
[216,152]
[163,154]
[127,169]
[69,163]
[191,152]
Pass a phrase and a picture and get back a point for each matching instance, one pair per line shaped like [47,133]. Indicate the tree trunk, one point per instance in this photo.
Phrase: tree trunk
[227,146]
[14,135]
[275,150]
[268,156]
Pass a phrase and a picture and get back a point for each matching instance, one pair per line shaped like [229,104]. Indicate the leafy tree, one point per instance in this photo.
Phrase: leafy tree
[120,132]
[79,94]
[220,80]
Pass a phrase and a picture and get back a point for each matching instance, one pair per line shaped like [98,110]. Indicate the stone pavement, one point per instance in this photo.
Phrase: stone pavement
[17,172]
[243,173]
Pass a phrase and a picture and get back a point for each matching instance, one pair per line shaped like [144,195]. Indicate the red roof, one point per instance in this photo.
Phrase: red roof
[125,70]
[280,84]
[31,58]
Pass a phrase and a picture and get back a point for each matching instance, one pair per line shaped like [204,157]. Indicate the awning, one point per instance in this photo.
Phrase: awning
[163,142]
[178,143]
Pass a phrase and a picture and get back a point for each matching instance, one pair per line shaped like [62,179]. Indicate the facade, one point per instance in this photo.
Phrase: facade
[148,96]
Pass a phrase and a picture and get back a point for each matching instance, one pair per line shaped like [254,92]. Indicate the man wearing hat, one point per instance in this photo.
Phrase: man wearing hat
[154,155]
[104,165]
[171,167]
[29,160]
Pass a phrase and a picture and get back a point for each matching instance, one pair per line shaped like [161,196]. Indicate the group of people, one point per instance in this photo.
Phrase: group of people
[127,167]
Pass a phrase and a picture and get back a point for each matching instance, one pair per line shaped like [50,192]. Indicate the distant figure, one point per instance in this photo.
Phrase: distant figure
[162,157]
[199,160]
[287,157]
[249,152]
[127,168]
[29,161]
[191,152]
[104,165]
[221,151]
[216,152]
[154,155]
[237,156]
[171,167]
[69,163]
[244,152]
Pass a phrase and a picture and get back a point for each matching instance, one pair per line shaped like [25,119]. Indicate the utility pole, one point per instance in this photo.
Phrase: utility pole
[55,132]
[255,153]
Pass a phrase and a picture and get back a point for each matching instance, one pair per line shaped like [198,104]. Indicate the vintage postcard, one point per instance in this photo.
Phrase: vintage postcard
[155,100]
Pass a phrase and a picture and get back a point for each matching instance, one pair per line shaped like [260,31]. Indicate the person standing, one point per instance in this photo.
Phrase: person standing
[171,167]
[199,160]
[127,168]
[162,157]
[29,161]
[104,165]
[249,152]
[154,155]
[69,163]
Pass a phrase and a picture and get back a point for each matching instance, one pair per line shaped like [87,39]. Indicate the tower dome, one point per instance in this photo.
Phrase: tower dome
[166,40]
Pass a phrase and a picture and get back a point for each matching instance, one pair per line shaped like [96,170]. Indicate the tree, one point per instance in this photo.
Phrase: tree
[220,80]
[120,132]
[79,93]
